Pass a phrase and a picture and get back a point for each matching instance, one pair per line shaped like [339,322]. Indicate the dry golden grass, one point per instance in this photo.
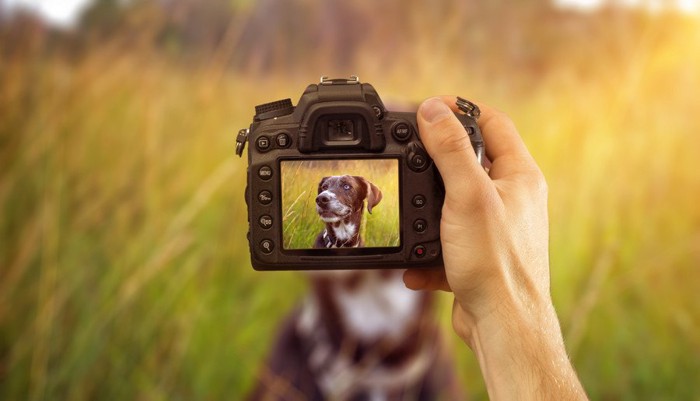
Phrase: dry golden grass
[124,271]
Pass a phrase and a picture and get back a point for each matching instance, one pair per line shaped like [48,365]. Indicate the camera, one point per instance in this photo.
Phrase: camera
[340,182]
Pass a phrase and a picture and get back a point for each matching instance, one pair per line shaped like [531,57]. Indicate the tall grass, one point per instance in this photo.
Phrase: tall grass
[124,264]
[124,270]
[300,179]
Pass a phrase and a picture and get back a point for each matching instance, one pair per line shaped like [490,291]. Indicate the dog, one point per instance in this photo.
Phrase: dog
[340,204]
[359,335]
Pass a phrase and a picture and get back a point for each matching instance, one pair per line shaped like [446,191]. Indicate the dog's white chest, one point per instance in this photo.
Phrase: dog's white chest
[378,308]
[345,231]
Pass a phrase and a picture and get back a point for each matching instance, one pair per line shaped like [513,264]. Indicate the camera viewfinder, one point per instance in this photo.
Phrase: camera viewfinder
[341,130]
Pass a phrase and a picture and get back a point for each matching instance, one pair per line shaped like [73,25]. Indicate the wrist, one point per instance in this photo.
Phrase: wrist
[522,356]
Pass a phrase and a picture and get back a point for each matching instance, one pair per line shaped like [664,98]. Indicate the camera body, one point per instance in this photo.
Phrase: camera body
[340,182]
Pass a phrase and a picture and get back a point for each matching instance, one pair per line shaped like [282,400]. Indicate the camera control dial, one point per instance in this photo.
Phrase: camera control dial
[274,109]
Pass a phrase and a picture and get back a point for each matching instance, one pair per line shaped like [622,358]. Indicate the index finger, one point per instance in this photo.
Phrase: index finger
[504,146]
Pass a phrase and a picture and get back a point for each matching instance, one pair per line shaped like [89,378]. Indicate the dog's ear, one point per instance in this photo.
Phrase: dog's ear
[374,194]
[320,184]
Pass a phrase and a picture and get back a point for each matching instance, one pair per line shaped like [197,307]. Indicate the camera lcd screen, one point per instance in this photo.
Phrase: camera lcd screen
[340,204]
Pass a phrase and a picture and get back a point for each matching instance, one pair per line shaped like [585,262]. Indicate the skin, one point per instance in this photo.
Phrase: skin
[495,235]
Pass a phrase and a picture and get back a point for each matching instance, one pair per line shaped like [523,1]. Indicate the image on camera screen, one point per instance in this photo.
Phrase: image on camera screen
[357,199]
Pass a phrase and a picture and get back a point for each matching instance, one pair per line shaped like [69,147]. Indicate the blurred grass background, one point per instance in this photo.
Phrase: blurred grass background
[124,272]
[300,180]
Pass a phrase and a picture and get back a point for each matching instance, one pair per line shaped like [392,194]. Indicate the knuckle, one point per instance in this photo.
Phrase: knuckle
[498,120]
[473,202]
[537,182]
[452,137]
[507,122]
[543,187]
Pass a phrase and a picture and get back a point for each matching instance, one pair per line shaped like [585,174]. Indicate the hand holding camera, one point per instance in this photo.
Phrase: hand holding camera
[495,236]
[340,182]
[493,226]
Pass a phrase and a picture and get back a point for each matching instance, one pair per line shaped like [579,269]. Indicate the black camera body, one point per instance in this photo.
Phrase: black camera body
[340,182]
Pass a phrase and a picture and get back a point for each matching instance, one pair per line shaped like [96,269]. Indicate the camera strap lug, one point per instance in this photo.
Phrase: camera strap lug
[241,139]
[469,108]
[340,81]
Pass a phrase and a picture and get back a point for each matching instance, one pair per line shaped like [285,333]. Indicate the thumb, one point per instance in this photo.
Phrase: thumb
[447,142]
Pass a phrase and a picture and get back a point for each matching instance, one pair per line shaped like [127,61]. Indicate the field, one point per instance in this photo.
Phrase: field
[301,224]
[124,268]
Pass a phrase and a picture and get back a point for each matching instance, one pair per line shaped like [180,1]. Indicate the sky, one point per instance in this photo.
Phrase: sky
[686,6]
[64,13]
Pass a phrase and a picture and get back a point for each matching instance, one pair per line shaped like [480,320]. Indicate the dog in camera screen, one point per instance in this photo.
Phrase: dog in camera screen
[340,204]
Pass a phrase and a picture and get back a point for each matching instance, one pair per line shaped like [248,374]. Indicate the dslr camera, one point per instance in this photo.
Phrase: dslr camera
[340,182]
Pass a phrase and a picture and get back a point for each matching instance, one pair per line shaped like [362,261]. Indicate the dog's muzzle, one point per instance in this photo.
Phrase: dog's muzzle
[329,208]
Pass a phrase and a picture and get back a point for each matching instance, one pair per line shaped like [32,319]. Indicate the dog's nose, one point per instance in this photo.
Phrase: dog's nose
[322,200]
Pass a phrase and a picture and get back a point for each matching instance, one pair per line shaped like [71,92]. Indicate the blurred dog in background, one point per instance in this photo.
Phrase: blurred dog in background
[359,334]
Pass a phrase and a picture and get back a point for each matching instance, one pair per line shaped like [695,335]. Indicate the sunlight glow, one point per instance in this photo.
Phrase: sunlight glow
[62,13]
[654,6]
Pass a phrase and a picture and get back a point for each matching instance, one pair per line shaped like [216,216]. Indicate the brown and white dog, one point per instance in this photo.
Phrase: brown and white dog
[360,334]
[340,204]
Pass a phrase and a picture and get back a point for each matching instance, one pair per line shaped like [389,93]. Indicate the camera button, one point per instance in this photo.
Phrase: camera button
[418,201]
[418,161]
[265,173]
[416,157]
[265,221]
[283,140]
[401,131]
[266,246]
[265,197]
[420,225]
[419,251]
[262,143]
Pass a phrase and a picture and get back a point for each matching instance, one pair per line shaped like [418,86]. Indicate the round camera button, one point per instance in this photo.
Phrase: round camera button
[420,225]
[262,143]
[419,161]
[283,140]
[401,131]
[416,157]
[265,221]
[266,246]
[419,251]
[265,197]
[418,201]
[265,173]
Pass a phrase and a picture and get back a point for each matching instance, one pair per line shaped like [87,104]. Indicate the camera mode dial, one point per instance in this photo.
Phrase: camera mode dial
[274,109]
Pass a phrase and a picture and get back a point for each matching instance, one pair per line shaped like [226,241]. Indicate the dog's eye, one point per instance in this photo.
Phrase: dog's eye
[324,187]
[346,187]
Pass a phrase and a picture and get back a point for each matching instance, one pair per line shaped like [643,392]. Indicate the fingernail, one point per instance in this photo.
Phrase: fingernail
[432,109]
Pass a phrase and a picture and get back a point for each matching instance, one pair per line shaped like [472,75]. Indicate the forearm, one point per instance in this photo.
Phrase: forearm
[494,235]
[522,356]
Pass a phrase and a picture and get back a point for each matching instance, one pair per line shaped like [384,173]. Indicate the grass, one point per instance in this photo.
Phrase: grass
[301,223]
[120,211]
[124,270]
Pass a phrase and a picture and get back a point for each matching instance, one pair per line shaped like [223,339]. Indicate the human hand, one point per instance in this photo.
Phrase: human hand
[494,227]
[494,233]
